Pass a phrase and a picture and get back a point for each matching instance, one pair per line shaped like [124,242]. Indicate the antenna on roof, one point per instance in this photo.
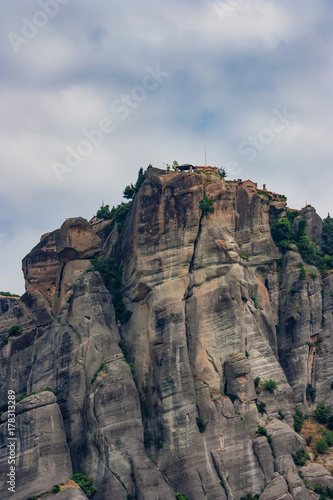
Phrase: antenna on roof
[205,157]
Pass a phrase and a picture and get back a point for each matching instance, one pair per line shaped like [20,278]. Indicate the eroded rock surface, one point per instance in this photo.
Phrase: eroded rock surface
[42,454]
[166,402]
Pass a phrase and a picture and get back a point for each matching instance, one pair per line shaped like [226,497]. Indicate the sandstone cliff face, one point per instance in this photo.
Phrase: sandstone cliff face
[43,454]
[211,311]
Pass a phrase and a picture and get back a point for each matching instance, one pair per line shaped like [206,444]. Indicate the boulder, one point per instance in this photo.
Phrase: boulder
[317,474]
[284,439]
[276,490]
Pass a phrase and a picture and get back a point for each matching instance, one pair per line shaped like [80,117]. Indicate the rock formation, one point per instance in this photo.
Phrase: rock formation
[166,401]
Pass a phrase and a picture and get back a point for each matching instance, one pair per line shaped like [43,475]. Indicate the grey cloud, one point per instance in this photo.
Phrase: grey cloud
[225,77]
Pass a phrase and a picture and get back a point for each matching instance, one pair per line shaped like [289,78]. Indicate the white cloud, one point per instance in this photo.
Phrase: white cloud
[225,77]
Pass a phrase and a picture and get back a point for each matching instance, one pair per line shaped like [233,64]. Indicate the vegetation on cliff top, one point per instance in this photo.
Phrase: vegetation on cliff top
[8,294]
[131,190]
[119,213]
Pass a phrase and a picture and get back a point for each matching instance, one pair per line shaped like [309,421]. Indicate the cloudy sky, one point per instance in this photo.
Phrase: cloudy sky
[93,90]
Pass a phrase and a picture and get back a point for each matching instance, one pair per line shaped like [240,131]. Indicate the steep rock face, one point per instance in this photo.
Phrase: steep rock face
[42,454]
[196,300]
[211,311]
[314,224]
[7,303]
[300,323]
[323,372]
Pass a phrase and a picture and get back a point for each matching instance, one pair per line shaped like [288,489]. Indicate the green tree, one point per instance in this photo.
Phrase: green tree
[291,216]
[181,496]
[302,273]
[328,235]
[175,165]
[112,278]
[202,424]
[104,213]
[118,214]
[261,407]
[283,233]
[322,413]
[270,385]
[322,445]
[222,172]
[15,330]
[85,483]
[206,205]
[301,457]
[330,422]
[310,393]
[309,440]
[298,421]
[130,190]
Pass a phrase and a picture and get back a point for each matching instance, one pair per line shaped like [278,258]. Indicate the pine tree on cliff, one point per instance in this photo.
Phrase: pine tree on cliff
[131,190]
[328,235]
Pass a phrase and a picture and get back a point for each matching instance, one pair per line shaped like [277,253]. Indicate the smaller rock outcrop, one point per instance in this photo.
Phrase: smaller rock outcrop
[284,439]
[276,490]
[314,224]
[317,474]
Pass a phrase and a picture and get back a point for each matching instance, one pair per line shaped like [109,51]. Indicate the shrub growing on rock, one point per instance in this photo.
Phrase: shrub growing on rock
[181,496]
[330,422]
[202,424]
[309,440]
[4,341]
[85,483]
[310,393]
[99,369]
[261,431]
[283,233]
[322,413]
[322,446]
[301,457]
[328,436]
[15,330]
[328,235]
[270,385]
[281,415]
[261,407]
[206,205]
[298,421]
